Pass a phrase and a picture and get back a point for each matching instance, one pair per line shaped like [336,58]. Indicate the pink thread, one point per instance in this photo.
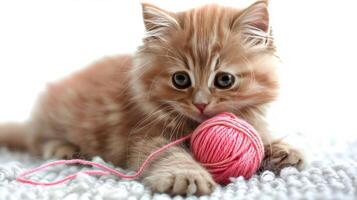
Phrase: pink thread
[226,145]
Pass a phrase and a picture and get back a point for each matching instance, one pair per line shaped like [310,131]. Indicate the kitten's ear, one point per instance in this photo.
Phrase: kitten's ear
[252,24]
[255,17]
[157,21]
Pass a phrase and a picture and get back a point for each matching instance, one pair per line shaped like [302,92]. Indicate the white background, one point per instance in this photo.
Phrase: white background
[44,40]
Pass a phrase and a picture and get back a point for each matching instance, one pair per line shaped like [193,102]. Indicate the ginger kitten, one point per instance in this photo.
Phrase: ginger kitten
[192,65]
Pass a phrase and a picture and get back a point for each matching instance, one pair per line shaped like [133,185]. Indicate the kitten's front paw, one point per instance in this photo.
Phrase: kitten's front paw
[178,181]
[59,149]
[279,155]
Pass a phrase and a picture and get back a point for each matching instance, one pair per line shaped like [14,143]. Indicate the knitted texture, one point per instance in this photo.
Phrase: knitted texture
[332,174]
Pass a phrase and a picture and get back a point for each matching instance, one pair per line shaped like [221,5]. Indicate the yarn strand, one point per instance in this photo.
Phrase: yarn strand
[105,170]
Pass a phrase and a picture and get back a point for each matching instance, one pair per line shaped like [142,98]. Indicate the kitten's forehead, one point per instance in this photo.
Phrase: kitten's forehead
[206,31]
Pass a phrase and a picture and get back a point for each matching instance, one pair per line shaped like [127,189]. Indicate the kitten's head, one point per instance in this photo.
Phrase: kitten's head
[205,61]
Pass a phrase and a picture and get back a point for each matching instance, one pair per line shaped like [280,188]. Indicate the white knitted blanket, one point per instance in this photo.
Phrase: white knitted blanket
[332,174]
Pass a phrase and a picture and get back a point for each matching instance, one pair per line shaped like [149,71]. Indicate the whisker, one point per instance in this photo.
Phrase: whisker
[176,122]
[152,118]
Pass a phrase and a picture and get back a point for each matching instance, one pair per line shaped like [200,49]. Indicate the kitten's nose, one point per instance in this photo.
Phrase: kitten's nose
[201,106]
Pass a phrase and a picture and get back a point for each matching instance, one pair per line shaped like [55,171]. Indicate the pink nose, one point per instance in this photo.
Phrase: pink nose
[201,107]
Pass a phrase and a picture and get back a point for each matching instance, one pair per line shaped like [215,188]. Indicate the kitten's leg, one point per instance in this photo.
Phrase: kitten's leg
[279,155]
[174,171]
[59,149]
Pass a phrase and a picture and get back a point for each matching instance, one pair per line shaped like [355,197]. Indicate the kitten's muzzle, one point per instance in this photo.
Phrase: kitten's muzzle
[201,107]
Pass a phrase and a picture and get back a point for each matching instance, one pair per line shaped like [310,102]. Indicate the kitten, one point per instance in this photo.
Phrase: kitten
[192,65]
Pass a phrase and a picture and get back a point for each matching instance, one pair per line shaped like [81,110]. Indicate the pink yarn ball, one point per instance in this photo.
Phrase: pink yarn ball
[227,147]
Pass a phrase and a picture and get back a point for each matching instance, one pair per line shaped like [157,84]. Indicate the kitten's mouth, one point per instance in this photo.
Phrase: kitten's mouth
[192,114]
[204,117]
[199,118]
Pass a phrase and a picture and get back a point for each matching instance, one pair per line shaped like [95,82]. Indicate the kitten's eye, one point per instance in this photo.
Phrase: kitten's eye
[181,80]
[224,80]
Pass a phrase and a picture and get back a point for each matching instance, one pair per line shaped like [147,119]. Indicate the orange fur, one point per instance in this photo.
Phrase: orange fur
[122,108]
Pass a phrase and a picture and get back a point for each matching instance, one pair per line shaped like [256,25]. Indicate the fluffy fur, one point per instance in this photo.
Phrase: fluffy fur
[124,107]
